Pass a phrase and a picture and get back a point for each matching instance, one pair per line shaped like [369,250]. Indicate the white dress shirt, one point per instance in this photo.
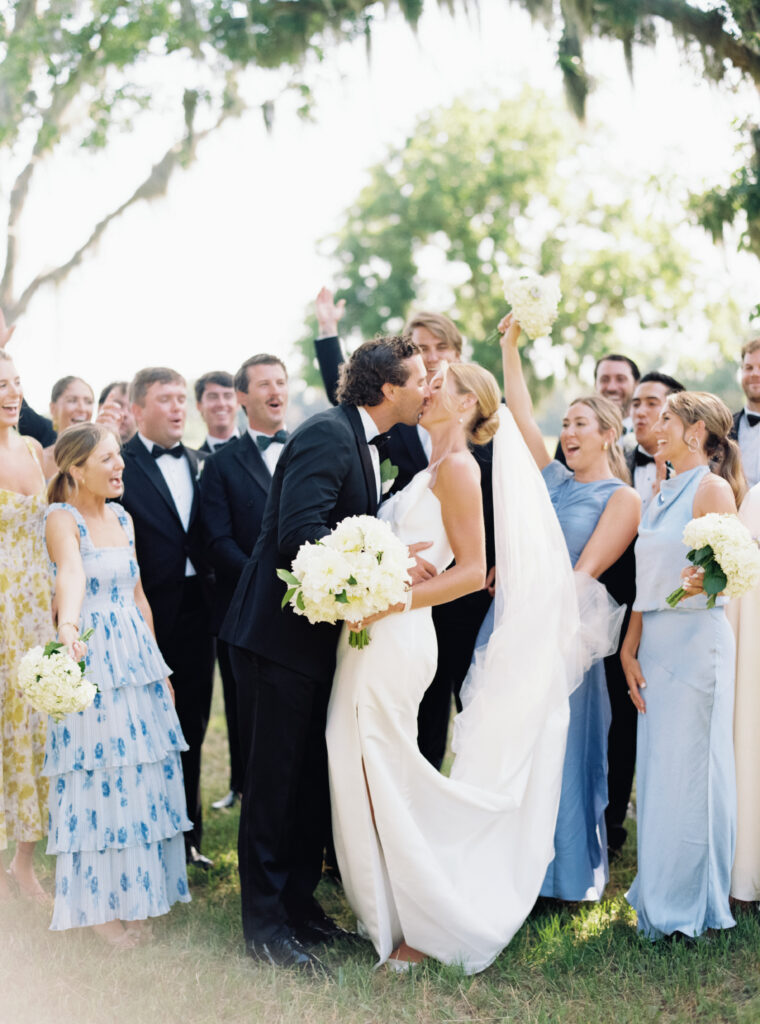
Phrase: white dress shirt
[176,473]
[272,454]
[749,443]
[370,431]
[216,442]
[644,479]
[426,441]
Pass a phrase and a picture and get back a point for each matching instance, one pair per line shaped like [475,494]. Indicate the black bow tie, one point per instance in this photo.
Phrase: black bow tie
[216,446]
[176,452]
[380,441]
[264,440]
[752,418]
[641,458]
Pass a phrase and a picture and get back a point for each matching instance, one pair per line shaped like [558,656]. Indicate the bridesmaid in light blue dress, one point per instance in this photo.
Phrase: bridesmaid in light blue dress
[599,516]
[679,664]
[117,804]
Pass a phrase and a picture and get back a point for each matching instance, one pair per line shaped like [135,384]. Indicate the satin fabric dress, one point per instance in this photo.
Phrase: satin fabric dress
[685,774]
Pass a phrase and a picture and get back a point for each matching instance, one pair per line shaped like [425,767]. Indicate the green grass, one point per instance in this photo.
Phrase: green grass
[583,965]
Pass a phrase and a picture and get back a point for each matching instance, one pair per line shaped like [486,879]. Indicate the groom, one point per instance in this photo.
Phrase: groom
[328,470]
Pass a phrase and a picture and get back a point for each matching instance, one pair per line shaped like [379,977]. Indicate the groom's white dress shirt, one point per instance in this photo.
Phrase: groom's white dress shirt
[370,431]
[272,453]
[749,443]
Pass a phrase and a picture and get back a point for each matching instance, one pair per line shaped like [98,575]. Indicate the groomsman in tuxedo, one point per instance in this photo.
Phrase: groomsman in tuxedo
[458,622]
[161,494]
[620,579]
[328,470]
[747,419]
[216,402]
[234,486]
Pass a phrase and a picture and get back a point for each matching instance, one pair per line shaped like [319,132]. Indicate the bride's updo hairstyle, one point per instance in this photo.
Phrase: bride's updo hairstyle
[471,379]
[73,448]
[723,453]
[607,415]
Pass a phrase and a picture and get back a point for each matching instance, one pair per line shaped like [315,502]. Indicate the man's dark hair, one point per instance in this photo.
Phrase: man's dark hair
[119,385]
[615,357]
[262,359]
[655,377]
[220,377]
[376,362]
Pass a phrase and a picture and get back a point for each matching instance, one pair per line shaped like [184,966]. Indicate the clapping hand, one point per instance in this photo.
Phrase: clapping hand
[329,312]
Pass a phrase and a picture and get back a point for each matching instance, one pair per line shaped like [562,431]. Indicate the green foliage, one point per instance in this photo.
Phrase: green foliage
[726,33]
[473,192]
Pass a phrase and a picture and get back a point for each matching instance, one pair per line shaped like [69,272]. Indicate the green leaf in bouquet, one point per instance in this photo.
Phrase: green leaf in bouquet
[52,648]
[300,602]
[701,556]
[342,597]
[288,577]
[714,580]
[351,581]
[288,595]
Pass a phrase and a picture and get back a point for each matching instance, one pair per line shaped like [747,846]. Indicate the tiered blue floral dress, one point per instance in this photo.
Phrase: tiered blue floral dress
[117,801]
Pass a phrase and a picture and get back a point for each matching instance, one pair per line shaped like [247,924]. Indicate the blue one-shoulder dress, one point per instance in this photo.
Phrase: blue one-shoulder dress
[685,774]
[117,800]
[580,870]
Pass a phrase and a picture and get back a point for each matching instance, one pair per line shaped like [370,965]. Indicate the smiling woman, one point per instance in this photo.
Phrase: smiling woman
[72,401]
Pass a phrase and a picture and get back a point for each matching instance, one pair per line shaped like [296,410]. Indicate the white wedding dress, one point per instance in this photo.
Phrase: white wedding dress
[454,865]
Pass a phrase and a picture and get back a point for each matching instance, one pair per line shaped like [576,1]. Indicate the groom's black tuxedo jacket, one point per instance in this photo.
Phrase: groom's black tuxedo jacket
[235,485]
[404,446]
[161,542]
[323,475]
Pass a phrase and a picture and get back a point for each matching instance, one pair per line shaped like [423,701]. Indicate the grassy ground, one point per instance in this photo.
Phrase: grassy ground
[584,965]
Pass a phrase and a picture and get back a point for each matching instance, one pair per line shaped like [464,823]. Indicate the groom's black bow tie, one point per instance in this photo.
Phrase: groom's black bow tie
[642,458]
[264,441]
[380,441]
[753,418]
[176,452]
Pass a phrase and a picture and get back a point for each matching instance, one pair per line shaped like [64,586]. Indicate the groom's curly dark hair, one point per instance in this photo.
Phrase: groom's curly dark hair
[376,362]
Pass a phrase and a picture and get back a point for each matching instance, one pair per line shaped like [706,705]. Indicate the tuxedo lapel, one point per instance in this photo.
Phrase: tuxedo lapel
[249,457]
[193,460]
[137,450]
[366,459]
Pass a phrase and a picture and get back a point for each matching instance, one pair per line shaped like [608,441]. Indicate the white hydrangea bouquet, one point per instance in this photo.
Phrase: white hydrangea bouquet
[724,548]
[358,570]
[53,682]
[534,301]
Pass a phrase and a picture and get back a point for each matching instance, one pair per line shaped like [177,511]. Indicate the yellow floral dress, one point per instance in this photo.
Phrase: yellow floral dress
[24,622]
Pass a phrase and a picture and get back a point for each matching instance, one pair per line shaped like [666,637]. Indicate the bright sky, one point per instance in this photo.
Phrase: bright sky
[226,263]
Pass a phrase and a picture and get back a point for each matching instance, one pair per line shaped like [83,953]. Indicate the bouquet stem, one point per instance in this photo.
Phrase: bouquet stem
[674,598]
[360,639]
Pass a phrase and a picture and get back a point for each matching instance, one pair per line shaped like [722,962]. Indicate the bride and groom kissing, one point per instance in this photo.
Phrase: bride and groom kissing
[432,866]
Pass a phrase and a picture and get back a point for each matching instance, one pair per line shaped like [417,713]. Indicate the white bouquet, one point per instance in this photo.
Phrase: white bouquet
[358,570]
[53,682]
[723,546]
[534,301]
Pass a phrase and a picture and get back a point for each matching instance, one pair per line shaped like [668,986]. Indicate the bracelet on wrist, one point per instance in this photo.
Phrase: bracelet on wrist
[72,624]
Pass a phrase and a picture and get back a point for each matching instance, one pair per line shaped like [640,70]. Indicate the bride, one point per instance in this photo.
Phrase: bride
[450,867]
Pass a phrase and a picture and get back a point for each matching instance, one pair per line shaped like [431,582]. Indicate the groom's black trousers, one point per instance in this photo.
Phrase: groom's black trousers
[284,819]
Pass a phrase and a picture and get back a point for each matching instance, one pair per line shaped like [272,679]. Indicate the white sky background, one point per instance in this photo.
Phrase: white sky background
[226,263]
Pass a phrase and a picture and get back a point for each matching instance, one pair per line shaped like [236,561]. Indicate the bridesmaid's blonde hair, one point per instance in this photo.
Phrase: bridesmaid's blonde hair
[472,379]
[73,448]
[608,417]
